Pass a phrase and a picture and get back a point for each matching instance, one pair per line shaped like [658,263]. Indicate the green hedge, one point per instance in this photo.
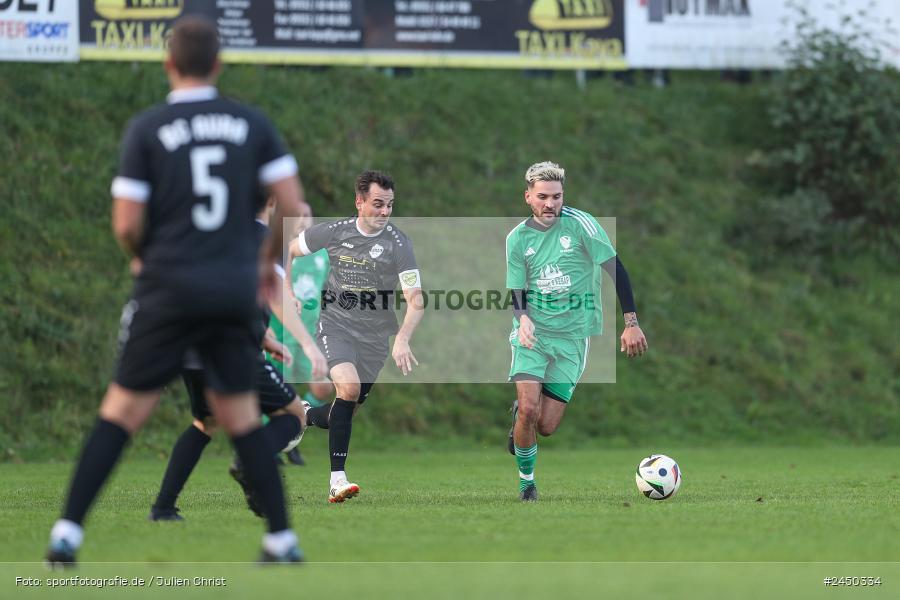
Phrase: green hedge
[740,351]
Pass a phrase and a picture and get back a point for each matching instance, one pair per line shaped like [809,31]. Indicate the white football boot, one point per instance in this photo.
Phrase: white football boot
[342,490]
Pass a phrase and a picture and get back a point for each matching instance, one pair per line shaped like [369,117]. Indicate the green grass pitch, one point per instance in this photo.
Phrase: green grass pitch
[748,522]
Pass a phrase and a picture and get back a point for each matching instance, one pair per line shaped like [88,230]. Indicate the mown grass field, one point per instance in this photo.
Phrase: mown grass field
[448,524]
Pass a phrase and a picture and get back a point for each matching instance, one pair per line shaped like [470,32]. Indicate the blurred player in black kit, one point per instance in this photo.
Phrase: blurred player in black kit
[190,177]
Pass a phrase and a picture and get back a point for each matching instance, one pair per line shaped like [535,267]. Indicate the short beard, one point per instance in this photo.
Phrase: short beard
[539,215]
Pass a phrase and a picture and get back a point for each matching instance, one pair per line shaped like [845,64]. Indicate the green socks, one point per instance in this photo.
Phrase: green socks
[525,458]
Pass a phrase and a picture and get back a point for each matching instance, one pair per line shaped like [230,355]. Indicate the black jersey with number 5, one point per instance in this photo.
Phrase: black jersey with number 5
[365,271]
[200,162]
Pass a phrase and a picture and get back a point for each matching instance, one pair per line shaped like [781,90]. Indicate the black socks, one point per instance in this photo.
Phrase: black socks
[100,454]
[257,458]
[318,416]
[185,455]
[341,422]
[281,430]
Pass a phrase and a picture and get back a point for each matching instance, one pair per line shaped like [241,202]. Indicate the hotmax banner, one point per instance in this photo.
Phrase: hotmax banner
[582,34]
[737,34]
[39,30]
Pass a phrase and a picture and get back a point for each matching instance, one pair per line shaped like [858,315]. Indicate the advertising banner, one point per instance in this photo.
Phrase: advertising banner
[740,34]
[583,34]
[39,30]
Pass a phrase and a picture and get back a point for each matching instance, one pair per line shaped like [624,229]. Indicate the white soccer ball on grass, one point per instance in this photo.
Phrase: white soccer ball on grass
[658,477]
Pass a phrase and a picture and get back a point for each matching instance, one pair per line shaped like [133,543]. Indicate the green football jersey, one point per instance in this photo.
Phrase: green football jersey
[309,274]
[560,268]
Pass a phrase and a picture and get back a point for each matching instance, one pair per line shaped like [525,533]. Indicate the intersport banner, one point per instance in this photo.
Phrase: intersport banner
[39,30]
[740,34]
[577,34]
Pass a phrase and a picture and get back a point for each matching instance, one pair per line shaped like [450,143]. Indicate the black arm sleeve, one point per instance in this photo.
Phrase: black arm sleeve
[616,270]
[519,302]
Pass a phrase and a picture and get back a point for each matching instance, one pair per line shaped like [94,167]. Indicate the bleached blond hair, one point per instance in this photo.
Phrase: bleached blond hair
[545,171]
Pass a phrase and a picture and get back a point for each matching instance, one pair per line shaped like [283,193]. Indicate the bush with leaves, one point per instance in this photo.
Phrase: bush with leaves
[835,156]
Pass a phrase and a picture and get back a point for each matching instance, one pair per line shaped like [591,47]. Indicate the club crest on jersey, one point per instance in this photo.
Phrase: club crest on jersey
[305,287]
[552,280]
[376,250]
[566,242]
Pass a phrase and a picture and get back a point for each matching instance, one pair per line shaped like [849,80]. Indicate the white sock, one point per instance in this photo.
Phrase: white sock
[69,531]
[338,476]
[280,542]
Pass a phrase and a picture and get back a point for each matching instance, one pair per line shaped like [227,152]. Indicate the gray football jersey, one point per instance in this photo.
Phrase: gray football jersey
[366,269]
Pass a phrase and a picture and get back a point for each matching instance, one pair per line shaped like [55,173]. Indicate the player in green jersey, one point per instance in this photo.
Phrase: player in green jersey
[309,274]
[553,263]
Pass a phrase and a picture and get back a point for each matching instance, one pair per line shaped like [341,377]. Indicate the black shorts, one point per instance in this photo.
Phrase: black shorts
[154,337]
[368,356]
[274,393]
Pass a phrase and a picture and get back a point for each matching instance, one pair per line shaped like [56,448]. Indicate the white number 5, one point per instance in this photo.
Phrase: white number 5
[209,218]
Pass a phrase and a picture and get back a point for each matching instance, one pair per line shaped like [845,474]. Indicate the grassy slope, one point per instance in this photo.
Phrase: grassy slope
[783,354]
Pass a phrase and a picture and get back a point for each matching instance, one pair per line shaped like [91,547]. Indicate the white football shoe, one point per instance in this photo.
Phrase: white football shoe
[342,490]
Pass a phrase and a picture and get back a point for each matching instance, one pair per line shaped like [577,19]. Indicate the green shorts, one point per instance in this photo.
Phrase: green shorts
[556,361]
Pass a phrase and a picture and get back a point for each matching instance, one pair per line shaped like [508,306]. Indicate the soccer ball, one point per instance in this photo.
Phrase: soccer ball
[658,477]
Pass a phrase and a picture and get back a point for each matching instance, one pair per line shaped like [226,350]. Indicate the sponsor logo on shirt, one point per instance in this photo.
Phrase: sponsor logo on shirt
[529,252]
[353,261]
[552,280]
[347,244]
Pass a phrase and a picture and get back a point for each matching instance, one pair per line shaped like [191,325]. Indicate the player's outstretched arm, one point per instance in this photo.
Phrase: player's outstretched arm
[632,341]
[291,321]
[415,310]
[294,251]
[279,351]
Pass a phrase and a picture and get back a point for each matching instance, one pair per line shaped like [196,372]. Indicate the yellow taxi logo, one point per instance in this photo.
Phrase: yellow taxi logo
[571,14]
[138,9]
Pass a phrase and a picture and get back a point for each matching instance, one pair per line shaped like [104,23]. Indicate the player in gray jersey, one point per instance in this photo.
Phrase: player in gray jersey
[369,259]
